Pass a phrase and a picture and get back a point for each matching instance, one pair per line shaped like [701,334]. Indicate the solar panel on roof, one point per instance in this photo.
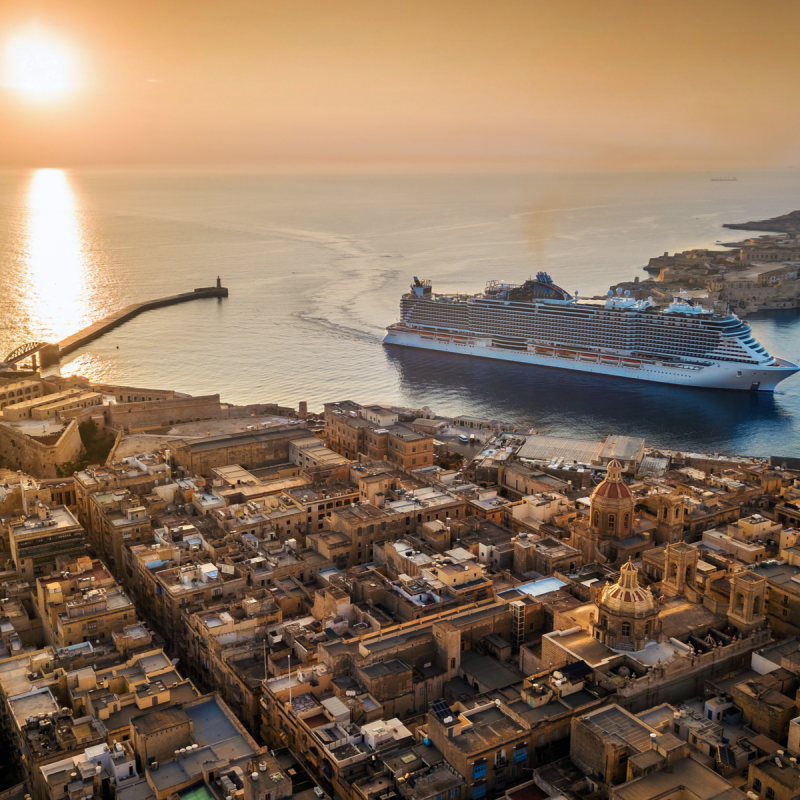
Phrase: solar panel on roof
[441,709]
[726,757]
[576,671]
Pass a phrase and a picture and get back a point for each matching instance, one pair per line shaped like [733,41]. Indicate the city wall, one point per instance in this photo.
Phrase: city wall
[162,411]
[157,413]
[40,455]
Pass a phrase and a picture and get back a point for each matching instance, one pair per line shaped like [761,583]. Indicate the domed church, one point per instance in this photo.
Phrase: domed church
[626,614]
[611,533]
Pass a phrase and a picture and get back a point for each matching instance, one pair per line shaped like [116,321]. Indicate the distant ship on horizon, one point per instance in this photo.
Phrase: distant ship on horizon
[723,179]
[539,323]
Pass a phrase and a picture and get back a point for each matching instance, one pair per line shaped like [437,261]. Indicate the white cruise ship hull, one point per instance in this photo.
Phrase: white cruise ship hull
[741,377]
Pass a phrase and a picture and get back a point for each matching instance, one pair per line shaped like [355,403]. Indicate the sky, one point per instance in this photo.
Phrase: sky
[561,84]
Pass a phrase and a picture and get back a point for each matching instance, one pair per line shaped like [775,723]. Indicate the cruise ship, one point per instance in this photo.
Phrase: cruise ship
[537,322]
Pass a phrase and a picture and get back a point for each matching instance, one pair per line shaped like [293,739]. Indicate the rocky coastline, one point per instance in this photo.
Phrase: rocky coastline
[756,274]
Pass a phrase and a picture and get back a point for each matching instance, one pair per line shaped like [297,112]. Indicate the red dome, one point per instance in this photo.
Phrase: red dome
[613,489]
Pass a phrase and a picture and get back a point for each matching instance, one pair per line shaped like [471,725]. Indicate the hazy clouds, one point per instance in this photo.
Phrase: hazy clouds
[559,84]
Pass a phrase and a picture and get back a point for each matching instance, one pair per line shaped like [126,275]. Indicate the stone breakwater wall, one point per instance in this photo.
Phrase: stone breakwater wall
[55,352]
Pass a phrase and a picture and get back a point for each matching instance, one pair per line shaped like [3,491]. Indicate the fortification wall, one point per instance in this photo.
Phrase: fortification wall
[257,409]
[133,394]
[39,456]
[165,412]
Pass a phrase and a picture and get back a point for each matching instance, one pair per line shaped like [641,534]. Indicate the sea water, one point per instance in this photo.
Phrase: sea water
[316,265]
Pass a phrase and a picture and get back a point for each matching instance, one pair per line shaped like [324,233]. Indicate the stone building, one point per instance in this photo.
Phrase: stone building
[626,613]
[772,778]
[16,391]
[767,709]
[227,651]
[119,519]
[612,533]
[37,541]
[365,526]
[668,511]
[783,598]
[248,449]
[353,430]
[82,604]
[99,771]
[680,569]
[138,474]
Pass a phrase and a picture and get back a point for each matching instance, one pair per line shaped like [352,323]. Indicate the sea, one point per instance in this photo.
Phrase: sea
[316,264]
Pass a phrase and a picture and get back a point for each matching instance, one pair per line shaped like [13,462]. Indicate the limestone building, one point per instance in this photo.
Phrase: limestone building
[626,613]
[612,533]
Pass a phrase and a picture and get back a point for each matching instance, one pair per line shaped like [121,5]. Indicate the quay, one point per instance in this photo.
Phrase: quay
[51,353]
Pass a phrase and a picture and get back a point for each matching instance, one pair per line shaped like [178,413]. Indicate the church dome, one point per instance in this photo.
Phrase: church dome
[626,597]
[613,487]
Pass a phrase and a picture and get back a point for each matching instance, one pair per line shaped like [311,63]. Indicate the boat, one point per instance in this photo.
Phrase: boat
[723,179]
[682,343]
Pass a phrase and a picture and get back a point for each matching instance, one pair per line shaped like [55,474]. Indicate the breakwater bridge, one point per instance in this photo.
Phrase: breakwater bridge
[47,353]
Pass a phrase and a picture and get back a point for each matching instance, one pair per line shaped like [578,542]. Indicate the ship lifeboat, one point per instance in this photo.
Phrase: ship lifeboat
[426,335]
[587,356]
[544,351]
[443,338]
[631,362]
[609,359]
[566,353]
[460,339]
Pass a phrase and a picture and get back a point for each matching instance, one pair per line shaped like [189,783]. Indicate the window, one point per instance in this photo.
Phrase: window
[770,793]
[479,770]
[626,629]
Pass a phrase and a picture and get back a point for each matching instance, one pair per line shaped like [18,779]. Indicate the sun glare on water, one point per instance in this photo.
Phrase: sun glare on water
[39,67]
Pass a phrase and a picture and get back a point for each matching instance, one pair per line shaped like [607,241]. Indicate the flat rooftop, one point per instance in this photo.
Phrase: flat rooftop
[615,723]
[545,448]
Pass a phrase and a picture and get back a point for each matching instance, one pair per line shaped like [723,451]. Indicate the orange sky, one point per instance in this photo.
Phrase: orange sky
[562,84]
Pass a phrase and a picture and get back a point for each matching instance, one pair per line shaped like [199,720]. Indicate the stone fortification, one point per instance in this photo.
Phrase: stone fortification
[157,413]
[40,455]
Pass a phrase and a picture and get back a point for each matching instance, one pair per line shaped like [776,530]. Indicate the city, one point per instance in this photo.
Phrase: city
[399,401]
[374,602]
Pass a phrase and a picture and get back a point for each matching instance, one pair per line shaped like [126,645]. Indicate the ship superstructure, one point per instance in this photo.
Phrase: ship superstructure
[537,322]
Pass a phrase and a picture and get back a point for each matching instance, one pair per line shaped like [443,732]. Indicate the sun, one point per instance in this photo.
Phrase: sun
[39,67]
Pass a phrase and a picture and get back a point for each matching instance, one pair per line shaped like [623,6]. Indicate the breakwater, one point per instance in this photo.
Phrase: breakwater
[54,352]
